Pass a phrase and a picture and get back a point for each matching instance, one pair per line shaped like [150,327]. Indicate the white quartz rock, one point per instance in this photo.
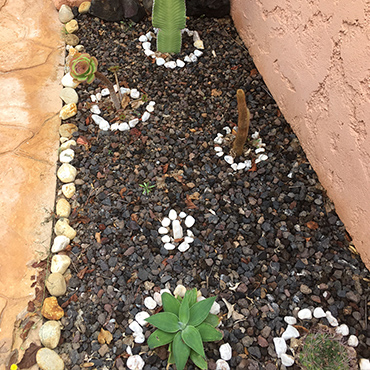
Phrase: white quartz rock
[150,303]
[234,166]
[97,119]
[364,364]
[123,126]
[160,61]
[352,341]
[188,239]
[215,308]
[93,98]
[225,351]
[290,332]
[114,126]
[150,108]
[135,94]
[182,214]
[180,63]
[149,52]
[124,90]
[68,81]
[287,360]
[219,154]
[177,229]
[332,320]
[183,247]
[290,320]
[187,59]
[318,313]
[305,314]
[166,239]
[261,158]
[139,337]
[105,126]
[95,109]
[171,64]
[66,173]
[162,230]
[135,327]
[189,221]
[133,122]
[342,329]
[280,346]
[60,243]
[241,166]
[105,92]
[143,38]
[222,365]
[67,155]
[135,362]
[172,215]
[229,159]
[146,45]
[169,246]
[198,53]
[157,298]
[193,58]
[145,116]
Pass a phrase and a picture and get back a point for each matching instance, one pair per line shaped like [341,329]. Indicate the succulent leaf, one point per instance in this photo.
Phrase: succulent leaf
[165,321]
[198,360]
[208,332]
[160,338]
[212,319]
[170,303]
[184,310]
[193,296]
[193,339]
[181,351]
[200,310]
[83,67]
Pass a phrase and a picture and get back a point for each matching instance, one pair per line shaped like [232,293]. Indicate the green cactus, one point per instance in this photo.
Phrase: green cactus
[169,16]
[83,67]
[324,351]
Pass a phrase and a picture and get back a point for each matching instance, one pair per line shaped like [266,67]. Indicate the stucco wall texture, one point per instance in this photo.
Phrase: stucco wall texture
[315,58]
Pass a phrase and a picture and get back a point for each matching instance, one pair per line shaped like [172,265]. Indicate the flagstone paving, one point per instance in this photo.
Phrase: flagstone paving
[31,66]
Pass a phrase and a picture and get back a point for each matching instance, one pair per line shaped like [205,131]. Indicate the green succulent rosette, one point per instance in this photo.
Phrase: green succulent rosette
[83,68]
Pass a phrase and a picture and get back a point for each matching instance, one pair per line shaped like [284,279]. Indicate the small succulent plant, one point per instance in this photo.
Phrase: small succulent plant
[185,324]
[324,351]
[83,67]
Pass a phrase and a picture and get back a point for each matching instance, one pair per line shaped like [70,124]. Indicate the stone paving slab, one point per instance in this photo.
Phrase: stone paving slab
[31,67]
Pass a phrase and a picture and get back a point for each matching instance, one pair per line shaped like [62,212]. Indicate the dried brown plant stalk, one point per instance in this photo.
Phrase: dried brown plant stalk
[243,124]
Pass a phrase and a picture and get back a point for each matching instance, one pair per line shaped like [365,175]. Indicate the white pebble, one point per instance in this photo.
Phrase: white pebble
[141,316]
[98,96]
[305,314]
[248,164]
[215,309]
[290,332]
[280,346]
[95,109]
[352,341]
[189,221]
[60,243]
[169,246]
[218,140]
[68,81]
[124,90]
[229,159]
[218,149]
[146,45]
[318,313]
[143,38]
[177,229]
[187,59]
[67,155]
[183,247]
[364,364]
[255,135]
[180,63]
[182,215]
[135,362]
[171,64]
[290,320]
[157,298]
[225,351]
[188,239]
[135,94]
[261,157]
[152,102]
[104,125]
[150,303]
[180,291]
[160,61]
[114,126]
[222,365]
[149,52]
[189,233]
[149,35]
[105,92]
[234,166]
[93,98]
[133,122]
[166,222]
[149,108]
[135,327]
[287,360]
[172,215]
[166,239]
[219,154]
[259,150]
[342,329]
[162,230]
[139,337]
[332,320]
[198,53]
[123,126]
[193,58]
[227,129]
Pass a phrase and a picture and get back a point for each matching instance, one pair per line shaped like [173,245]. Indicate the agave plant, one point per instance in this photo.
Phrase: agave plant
[169,16]
[84,68]
[185,324]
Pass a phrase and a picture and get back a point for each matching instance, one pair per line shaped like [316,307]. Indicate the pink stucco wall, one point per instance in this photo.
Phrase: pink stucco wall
[315,58]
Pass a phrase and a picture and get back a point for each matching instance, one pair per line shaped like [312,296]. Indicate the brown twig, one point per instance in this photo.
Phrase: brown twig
[110,87]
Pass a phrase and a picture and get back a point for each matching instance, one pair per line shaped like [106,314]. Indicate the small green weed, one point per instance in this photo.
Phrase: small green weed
[147,188]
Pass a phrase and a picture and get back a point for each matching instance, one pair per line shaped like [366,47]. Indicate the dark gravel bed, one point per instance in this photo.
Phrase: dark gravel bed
[270,234]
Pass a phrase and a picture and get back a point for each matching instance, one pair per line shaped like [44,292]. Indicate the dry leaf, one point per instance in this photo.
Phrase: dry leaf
[29,357]
[125,101]
[230,308]
[194,196]
[312,225]
[216,92]
[165,168]
[136,104]
[82,273]
[189,203]
[97,237]
[104,336]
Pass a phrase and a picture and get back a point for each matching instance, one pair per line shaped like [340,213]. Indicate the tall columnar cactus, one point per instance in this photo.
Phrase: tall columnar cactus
[84,68]
[169,16]
[243,123]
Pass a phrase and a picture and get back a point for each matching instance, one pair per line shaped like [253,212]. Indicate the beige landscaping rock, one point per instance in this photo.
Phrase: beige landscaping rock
[71,26]
[71,39]
[56,284]
[47,359]
[69,190]
[49,334]
[68,111]
[65,14]
[67,144]
[60,263]
[69,95]
[62,228]
[66,173]
[63,208]
[51,309]
[67,130]
[84,7]
[70,3]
